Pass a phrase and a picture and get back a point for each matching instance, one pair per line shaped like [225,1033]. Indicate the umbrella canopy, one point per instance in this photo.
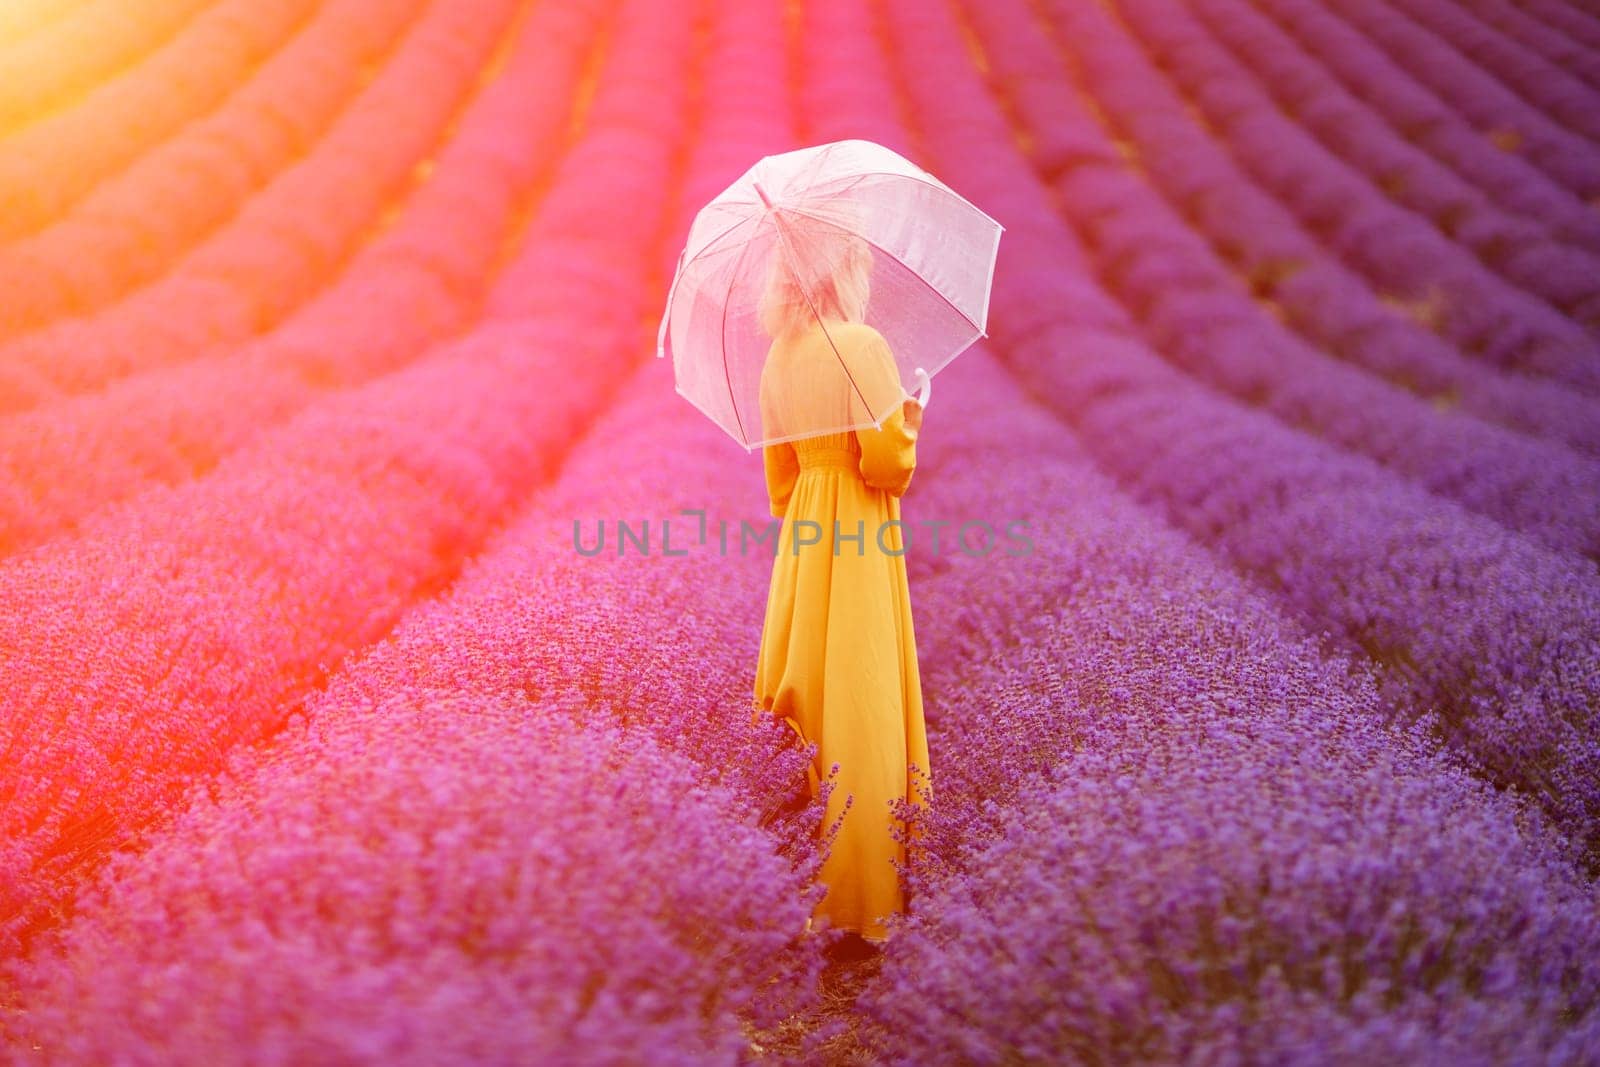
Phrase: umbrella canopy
[839,240]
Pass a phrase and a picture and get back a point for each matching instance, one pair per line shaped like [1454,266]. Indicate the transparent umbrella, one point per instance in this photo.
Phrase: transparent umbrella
[833,238]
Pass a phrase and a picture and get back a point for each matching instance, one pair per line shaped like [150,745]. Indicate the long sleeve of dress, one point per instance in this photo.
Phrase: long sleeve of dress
[783,467]
[889,452]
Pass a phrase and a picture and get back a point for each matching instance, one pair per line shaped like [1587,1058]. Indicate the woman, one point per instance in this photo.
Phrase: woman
[838,658]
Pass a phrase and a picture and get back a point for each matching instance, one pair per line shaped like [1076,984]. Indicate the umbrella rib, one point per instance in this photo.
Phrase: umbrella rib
[909,270]
[784,244]
[839,356]
[685,260]
[727,376]
[926,180]
[705,249]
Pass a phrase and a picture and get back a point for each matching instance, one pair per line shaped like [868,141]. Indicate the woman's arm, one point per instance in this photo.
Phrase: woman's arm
[783,467]
[888,452]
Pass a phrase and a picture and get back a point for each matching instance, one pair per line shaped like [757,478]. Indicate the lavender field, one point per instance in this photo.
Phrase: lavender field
[327,326]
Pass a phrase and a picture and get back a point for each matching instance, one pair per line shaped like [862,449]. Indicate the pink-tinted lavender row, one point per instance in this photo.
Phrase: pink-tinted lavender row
[1192,309]
[1549,87]
[1397,252]
[1560,47]
[1562,273]
[239,590]
[1422,118]
[419,281]
[51,164]
[71,55]
[1492,109]
[1346,546]
[1573,22]
[1283,265]
[287,240]
[436,880]
[176,192]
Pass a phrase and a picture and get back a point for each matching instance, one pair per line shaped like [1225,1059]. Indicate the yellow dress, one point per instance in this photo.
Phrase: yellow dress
[838,658]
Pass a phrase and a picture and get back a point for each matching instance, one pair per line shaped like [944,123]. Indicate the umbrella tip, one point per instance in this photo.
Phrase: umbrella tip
[762,193]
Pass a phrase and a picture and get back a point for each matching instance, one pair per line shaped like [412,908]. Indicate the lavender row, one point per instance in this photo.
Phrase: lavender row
[506,625]
[143,219]
[1347,547]
[1561,49]
[488,637]
[1199,883]
[435,880]
[1101,659]
[1493,110]
[1574,23]
[1207,703]
[1190,306]
[736,946]
[1230,744]
[1282,265]
[1555,91]
[290,237]
[1520,251]
[69,56]
[51,164]
[1399,254]
[620,656]
[418,282]
[240,590]
[1427,121]
[508,628]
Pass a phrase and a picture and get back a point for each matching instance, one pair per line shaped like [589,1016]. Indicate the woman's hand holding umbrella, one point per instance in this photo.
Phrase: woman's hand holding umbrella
[915,403]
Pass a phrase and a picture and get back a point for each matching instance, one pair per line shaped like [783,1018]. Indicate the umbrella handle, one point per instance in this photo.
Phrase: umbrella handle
[926,389]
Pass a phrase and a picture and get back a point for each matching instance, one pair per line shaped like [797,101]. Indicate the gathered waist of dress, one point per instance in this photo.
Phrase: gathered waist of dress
[829,456]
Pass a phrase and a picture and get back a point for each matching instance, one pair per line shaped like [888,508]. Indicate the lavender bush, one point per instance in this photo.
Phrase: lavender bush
[1357,555]
[435,881]
[292,232]
[405,291]
[1492,108]
[357,506]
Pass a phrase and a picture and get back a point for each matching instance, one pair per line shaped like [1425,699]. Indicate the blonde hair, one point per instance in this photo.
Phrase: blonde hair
[815,270]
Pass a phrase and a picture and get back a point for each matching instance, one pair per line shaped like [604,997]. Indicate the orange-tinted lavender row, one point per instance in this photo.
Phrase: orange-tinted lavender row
[104,234]
[221,601]
[425,278]
[286,242]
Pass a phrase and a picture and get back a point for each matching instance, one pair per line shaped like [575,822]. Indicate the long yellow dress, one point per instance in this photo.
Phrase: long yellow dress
[838,659]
